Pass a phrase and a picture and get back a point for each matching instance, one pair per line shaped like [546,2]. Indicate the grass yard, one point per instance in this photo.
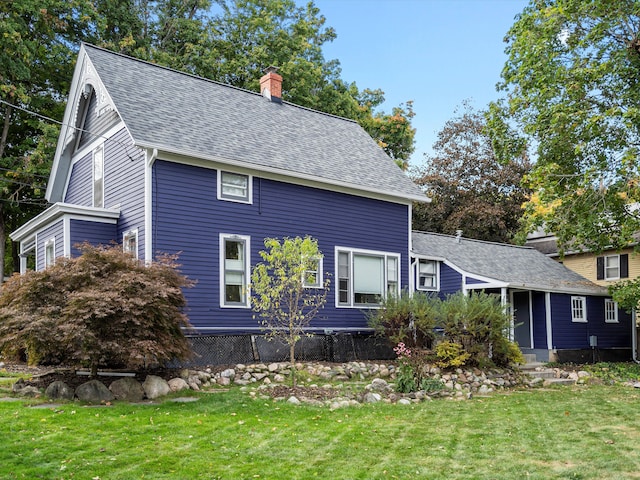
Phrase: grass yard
[582,432]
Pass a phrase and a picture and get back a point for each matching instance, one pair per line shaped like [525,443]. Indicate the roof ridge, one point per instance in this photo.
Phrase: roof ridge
[216,82]
[523,247]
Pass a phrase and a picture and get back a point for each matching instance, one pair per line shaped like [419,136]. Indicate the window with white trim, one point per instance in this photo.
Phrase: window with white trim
[98,177]
[427,274]
[234,186]
[610,311]
[130,242]
[234,271]
[578,309]
[612,267]
[49,252]
[366,277]
[313,273]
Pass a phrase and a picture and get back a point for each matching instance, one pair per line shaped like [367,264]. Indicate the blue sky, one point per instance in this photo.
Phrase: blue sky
[435,52]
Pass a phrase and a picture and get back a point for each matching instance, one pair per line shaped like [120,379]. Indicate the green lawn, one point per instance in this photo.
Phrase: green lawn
[582,432]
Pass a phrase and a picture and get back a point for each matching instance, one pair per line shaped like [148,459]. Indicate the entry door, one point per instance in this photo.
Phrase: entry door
[522,319]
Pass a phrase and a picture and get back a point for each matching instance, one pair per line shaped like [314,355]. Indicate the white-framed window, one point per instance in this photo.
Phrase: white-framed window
[578,309]
[610,311]
[365,277]
[98,177]
[130,242]
[234,270]
[49,252]
[313,274]
[612,267]
[235,187]
[427,274]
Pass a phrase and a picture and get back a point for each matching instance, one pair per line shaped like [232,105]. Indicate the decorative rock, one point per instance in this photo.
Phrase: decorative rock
[155,387]
[372,397]
[224,381]
[484,389]
[18,385]
[379,385]
[59,390]
[536,382]
[404,401]
[229,373]
[278,378]
[273,367]
[178,384]
[94,391]
[29,391]
[293,400]
[127,389]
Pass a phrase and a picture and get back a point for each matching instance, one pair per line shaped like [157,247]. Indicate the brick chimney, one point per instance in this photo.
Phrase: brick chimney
[271,85]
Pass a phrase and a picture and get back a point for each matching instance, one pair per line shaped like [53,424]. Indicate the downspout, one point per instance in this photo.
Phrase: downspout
[634,337]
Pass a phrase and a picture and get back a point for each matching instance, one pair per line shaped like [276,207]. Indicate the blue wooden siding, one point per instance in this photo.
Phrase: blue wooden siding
[96,233]
[450,280]
[539,320]
[569,335]
[55,230]
[123,185]
[473,281]
[187,217]
[80,189]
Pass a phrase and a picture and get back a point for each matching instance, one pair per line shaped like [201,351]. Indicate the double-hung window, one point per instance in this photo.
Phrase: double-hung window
[49,252]
[312,277]
[366,277]
[610,311]
[612,267]
[234,271]
[578,309]
[98,177]
[235,187]
[427,274]
[130,242]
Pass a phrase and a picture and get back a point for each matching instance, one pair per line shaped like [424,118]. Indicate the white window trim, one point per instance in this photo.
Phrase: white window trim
[608,301]
[100,148]
[133,232]
[247,200]
[574,318]
[356,251]
[423,289]
[319,274]
[247,270]
[607,277]
[50,243]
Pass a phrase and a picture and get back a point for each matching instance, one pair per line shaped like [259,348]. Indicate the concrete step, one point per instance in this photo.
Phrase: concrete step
[530,357]
[540,373]
[559,381]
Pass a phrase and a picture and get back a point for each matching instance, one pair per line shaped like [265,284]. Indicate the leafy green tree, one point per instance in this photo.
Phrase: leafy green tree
[288,289]
[572,87]
[103,308]
[471,188]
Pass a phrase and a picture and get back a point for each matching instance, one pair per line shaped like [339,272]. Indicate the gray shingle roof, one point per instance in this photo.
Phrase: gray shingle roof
[519,267]
[182,113]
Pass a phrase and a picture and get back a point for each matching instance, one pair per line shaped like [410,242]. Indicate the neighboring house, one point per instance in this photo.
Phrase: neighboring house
[558,314]
[163,161]
[604,269]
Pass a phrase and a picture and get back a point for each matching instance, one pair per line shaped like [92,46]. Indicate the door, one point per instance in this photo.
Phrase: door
[521,319]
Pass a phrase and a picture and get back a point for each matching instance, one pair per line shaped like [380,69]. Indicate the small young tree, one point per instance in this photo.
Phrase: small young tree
[288,289]
[102,308]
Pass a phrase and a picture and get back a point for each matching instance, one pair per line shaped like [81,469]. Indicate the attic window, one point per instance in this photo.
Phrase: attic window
[235,187]
[427,274]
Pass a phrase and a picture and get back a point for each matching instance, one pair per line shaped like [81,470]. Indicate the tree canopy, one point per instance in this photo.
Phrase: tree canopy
[573,88]
[231,41]
[470,188]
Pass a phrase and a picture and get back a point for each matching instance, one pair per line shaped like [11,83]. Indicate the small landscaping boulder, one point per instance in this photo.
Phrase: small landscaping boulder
[94,391]
[59,390]
[178,384]
[155,387]
[127,389]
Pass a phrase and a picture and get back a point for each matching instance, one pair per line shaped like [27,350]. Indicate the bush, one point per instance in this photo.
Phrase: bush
[451,355]
[101,309]
[406,319]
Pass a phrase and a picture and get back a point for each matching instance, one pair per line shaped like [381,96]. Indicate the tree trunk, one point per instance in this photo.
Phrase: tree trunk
[3,242]
[294,377]
[5,129]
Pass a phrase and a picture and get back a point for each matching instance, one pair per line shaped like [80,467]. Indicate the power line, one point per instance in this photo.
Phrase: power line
[58,122]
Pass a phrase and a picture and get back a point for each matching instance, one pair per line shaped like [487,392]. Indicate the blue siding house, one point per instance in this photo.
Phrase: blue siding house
[164,162]
[558,314]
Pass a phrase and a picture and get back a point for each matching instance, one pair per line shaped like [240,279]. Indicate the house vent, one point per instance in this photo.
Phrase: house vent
[458,235]
[271,85]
